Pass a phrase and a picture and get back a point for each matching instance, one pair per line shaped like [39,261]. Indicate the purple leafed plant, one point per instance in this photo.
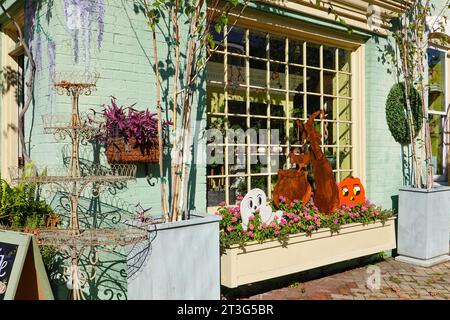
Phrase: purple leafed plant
[140,213]
[129,124]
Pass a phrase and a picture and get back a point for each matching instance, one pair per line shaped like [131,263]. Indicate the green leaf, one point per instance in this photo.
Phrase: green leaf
[218,28]
[211,42]
[224,19]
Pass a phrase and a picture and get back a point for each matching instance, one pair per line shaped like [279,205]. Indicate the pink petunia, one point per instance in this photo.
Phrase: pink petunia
[251,226]
[264,225]
[230,228]
[283,199]
[222,203]
[234,219]
[310,228]
[251,218]
[250,234]
[335,221]
[295,218]
[318,223]
[239,197]
[295,201]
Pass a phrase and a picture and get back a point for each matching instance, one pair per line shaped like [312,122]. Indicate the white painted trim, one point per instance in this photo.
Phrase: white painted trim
[9,117]
[359,114]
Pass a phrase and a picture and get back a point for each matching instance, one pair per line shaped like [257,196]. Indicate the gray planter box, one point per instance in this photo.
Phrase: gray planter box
[182,262]
[423,225]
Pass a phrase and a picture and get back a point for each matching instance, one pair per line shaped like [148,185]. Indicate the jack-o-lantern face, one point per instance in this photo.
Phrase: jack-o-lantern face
[351,192]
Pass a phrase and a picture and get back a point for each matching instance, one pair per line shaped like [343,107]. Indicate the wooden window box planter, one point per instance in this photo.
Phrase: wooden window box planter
[270,259]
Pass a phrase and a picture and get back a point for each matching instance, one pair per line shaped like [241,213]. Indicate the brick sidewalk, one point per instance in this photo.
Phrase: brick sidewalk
[399,281]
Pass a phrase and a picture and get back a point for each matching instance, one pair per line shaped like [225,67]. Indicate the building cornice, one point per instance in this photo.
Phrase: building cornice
[369,15]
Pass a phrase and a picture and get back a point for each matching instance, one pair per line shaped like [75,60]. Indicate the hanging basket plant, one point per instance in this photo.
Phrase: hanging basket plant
[396,113]
[129,135]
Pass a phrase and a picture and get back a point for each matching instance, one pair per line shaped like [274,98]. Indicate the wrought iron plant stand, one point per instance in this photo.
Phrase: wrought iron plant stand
[74,240]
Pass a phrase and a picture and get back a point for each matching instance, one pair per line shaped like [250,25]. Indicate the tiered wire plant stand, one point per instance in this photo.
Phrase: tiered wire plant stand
[73,240]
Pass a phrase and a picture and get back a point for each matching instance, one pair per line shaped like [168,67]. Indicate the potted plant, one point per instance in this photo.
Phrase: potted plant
[423,218]
[302,239]
[130,136]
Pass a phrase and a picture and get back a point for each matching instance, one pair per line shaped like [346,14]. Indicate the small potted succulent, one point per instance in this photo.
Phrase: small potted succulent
[130,135]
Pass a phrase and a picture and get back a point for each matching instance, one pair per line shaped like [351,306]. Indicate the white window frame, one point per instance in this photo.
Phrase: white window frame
[445,176]
[357,104]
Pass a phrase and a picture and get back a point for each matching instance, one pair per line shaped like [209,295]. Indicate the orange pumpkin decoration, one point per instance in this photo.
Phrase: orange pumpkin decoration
[351,192]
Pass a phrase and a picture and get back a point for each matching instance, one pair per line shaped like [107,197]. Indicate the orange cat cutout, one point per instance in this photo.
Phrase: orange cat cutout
[351,192]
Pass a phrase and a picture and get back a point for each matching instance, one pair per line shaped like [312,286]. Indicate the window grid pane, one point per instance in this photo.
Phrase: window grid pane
[267,83]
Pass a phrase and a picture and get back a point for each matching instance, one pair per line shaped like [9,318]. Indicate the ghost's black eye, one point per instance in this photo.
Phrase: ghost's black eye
[259,200]
[356,190]
[250,204]
[345,191]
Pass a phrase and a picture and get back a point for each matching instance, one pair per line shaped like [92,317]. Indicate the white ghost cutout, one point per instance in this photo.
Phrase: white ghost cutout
[255,201]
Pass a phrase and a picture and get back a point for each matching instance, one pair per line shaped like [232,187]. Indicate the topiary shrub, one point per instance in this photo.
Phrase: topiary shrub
[396,113]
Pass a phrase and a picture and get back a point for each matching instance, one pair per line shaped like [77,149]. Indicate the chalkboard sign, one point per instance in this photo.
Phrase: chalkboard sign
[22,271]
[7,256]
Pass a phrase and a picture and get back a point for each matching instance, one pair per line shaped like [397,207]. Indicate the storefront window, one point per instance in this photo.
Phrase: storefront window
[437,109]
[259,80]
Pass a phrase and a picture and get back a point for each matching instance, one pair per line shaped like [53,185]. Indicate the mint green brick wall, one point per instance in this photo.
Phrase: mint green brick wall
[125,66]
[383,153]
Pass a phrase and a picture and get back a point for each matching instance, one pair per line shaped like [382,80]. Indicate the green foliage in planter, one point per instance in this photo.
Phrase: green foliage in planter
[21,206]
[297,218]
[396,113]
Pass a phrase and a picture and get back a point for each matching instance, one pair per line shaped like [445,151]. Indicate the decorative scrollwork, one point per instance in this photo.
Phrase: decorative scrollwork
[81,82]
[77,186]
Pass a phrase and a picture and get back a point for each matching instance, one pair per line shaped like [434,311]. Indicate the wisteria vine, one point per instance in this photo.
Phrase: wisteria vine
[35,29]
[80,15]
